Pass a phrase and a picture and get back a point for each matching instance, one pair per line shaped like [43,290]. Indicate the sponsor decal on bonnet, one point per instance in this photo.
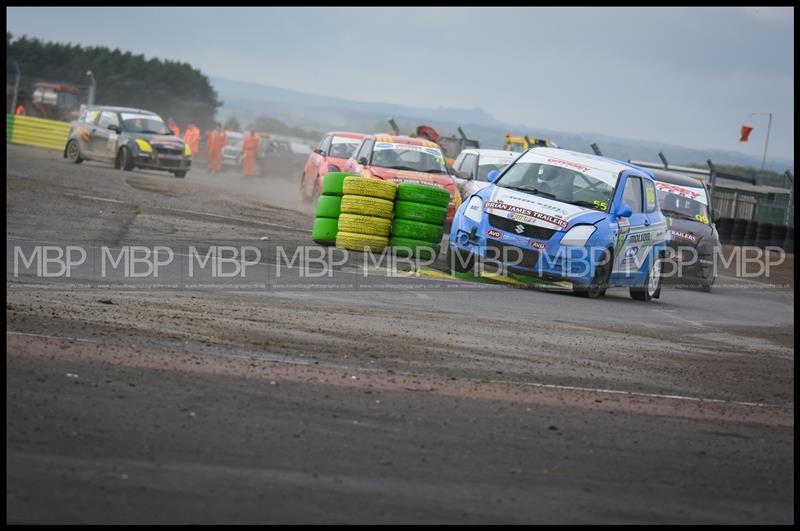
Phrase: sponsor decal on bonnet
[563,223]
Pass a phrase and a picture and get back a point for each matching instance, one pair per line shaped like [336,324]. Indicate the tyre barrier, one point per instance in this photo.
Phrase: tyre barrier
[763,235]
[778,235]
[357,224]
[366,214]
[364,186]
[361,242]
[416,230]
[333,182]
[423,193]
[737,231]
[419,215]
[38,132]
[329,208]
[434,215]
[788,242]
[724,228]
[751,233]
[367,206]
[410,247]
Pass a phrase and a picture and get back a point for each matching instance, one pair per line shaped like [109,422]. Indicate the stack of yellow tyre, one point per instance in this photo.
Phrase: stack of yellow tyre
[328,208]
[420,211]
[366,214]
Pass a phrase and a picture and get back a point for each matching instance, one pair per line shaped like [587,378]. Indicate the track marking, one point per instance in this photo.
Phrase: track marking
[671,313]
[616,392]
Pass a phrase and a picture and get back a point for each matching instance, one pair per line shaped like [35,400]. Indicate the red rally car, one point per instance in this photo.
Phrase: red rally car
[404,159]
[331,154]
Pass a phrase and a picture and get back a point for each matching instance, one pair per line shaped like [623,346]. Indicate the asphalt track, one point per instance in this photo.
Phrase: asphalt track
[359,395]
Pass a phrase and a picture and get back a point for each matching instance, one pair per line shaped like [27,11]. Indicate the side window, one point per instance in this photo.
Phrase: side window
[632,195]
[468,166]
[108,118]
[325,145]
[458,161]
[91,116]
[649,196]
[366,149]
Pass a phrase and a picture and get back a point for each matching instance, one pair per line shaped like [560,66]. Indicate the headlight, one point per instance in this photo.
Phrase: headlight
[187,150]
[474,210]
[144,146]
[578,235]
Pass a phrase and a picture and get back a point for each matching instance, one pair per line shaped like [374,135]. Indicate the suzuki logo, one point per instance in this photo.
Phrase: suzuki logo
[519,228]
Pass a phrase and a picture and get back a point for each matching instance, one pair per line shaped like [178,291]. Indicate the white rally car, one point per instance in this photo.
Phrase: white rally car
[472,168]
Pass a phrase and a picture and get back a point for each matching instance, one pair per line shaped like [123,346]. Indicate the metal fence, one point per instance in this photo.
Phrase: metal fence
[735,204]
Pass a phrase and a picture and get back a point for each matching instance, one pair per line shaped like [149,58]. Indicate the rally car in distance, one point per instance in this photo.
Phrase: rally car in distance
[232,150]
[563,215]
[692,236]
[472,168]
[404,159]
[127,138]
[330,155]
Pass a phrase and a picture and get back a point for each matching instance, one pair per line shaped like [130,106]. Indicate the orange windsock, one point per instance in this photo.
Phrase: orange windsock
[746,130]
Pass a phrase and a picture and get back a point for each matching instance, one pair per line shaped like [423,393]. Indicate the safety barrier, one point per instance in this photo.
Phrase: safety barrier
[31,131]
[753,233]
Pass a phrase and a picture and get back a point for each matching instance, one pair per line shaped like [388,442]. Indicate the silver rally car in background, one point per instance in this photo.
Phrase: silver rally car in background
[128,139]
[472,168]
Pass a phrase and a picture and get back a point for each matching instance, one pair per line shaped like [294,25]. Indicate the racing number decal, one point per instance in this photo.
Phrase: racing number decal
[702,218]
[602,205]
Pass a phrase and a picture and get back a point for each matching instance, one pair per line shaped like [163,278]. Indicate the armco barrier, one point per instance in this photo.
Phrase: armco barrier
[30,131]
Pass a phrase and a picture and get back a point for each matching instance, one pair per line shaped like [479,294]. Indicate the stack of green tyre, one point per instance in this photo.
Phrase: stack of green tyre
[366,214]
[419,215]
[329,208]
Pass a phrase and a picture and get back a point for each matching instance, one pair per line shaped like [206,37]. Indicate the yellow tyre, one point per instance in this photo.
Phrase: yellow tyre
[361,242]
[368,187]
[367,206]
[364,225]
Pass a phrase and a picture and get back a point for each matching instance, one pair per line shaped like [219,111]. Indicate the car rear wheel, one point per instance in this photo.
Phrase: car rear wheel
[124,159]
[180,173]
[599,284]
[652,286]
[74,152]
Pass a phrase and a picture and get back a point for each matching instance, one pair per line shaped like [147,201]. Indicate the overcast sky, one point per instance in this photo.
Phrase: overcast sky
[688,76]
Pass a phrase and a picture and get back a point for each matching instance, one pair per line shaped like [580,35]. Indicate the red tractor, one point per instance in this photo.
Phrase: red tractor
[55,101]
[451,145]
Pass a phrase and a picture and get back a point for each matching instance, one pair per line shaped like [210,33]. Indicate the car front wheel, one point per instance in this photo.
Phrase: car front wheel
[74,152]
[125,159]
[652,286]
[599,284]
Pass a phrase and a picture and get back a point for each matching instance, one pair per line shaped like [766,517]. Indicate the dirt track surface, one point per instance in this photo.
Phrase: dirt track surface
[414,401]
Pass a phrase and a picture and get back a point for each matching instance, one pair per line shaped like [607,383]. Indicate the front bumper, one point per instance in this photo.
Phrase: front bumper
[544,257]
[156,161]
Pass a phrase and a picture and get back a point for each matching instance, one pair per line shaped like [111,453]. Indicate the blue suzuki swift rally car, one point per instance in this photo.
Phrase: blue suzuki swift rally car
[563,215]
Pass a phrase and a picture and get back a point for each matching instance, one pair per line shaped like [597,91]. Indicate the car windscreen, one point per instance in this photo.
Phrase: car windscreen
[683,202]
[144,123]
[343,147]
[234,141]
[559,183]
[408,157]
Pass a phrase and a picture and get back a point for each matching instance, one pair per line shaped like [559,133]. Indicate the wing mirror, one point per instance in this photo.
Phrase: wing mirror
[112,127]
[625,211]
[717,213]
[493,175]
[319,151]
[363,161]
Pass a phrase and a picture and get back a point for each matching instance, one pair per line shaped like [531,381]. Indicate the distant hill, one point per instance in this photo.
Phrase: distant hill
[317,112]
